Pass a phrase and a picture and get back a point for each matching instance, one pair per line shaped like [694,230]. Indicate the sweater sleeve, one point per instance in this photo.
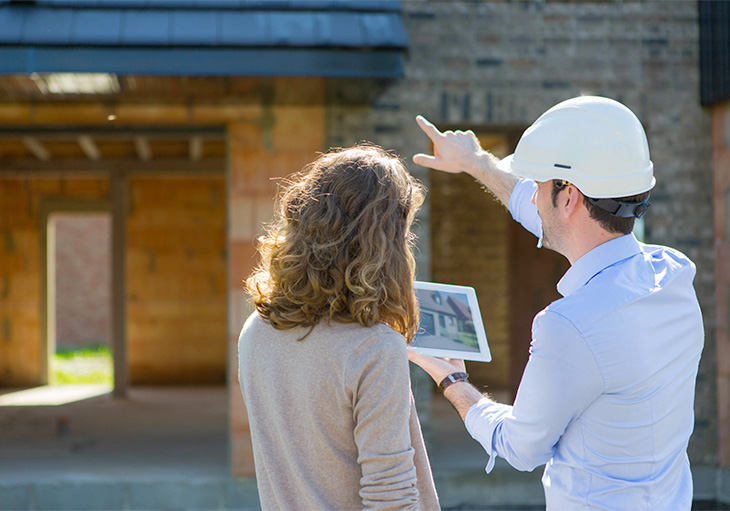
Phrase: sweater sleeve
[378,383]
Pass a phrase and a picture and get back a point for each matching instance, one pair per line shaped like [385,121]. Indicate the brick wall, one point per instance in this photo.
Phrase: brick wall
[721,200]
[21,205]
[495,66]
[83,279]
[258,155]
[176,264]
[176,280]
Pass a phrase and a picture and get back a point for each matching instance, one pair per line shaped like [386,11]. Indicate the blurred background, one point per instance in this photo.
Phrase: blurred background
[140,146]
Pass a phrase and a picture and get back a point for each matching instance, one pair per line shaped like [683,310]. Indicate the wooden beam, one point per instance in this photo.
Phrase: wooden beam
[142,145]
[66,133]
[56,113]
[36,148]
[89,147]
[32,167]
[196,148]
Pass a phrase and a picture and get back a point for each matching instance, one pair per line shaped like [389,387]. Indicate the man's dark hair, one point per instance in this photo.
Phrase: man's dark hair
[609,222]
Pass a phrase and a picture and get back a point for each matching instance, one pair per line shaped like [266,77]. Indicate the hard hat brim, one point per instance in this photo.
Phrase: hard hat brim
[534,172]
[505,164]
[595,188]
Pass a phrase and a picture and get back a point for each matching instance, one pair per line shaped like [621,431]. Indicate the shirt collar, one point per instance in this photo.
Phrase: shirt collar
[593,262]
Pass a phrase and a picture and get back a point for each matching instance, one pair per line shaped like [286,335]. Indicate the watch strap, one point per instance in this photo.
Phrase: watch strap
[453,378]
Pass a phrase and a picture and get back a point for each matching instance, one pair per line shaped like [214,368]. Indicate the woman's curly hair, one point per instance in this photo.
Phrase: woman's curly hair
[340,246]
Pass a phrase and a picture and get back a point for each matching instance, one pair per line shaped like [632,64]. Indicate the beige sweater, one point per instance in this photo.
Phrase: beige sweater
[333,423]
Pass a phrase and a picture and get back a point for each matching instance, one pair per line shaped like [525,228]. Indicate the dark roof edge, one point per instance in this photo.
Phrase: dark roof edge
[217,5]
[199,46]
[325,62]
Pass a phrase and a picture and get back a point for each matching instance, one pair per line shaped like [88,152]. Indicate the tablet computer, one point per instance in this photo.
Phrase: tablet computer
[451,324]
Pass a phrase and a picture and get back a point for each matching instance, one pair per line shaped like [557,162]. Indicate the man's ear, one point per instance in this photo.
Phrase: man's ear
[571,201]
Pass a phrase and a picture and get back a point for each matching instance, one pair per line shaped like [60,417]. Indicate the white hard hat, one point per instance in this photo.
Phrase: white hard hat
[595,143]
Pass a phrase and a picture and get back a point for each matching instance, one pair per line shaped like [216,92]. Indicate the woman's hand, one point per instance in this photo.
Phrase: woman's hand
[437,368]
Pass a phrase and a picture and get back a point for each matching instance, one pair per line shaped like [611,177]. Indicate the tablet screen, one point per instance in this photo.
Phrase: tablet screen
[451,324]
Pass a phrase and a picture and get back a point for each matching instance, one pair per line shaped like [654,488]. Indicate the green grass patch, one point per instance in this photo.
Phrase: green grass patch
[467,339]
[88,364]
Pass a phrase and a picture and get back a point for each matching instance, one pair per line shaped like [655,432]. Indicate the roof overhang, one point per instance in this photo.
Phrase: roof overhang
[331,38]
[328,62]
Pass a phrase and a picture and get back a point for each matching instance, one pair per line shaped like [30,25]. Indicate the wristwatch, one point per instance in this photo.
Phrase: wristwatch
[453,378]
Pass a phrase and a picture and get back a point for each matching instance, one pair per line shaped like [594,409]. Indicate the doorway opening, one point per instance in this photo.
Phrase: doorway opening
[79,299]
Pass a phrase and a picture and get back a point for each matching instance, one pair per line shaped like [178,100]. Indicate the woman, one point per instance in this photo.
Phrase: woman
[322,361]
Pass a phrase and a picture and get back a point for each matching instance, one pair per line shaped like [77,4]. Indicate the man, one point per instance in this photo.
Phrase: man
[606,399]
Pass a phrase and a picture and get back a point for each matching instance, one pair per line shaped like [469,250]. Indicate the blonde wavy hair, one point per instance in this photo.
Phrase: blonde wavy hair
[340,245]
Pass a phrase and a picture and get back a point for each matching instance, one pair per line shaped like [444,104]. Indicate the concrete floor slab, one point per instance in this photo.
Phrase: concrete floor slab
[179,432]
[167,448]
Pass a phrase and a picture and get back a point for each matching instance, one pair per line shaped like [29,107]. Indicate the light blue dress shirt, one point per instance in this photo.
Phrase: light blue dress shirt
[607,397]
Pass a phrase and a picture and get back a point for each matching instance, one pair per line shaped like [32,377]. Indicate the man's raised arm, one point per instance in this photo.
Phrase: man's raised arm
[460,151]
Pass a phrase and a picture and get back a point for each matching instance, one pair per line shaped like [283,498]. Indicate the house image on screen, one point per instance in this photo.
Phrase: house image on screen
[443,315]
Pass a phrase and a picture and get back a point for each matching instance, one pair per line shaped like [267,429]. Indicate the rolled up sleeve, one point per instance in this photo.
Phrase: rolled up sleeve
[560,380]
[482,421]
[522,209]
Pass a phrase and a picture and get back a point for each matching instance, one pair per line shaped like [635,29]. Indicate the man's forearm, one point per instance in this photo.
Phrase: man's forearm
[498,182]
[462,395]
